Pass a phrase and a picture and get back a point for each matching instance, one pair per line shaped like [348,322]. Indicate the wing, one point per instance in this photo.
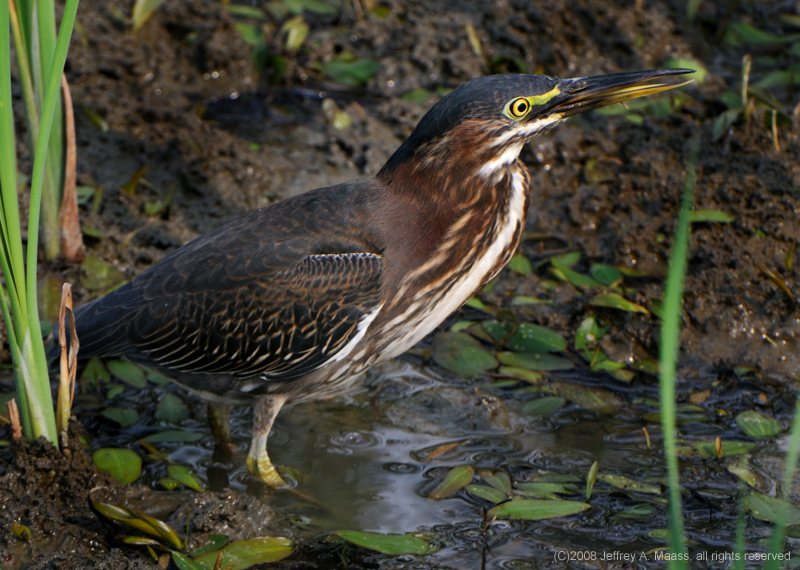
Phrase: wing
[276,293]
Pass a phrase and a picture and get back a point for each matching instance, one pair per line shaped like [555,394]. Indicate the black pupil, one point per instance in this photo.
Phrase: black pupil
[521,105]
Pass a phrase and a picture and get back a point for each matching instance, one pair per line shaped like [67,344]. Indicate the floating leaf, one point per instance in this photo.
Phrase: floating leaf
[139,521]
[487,493]
[535,338]
[766,508]
[595,399]
[498,479]
[543,489]
[628,484]
[171,409]
[169,483]
[392,544]
[641,511]
[587,335]
[128,372]
[242,554]
[710,216]
[605,274]
[543,406]
[354,73]
[708,449]
[123,465]
[535,361]
[521,373]
[457,478]
[591,478]
[534,510]
[755,424]
[462,354]
[216,541]
[617,301]
[95,372]
[173,436]
[125,417]
[744,474]
[182,474]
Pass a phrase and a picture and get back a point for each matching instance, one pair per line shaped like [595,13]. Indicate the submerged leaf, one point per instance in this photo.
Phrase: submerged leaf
[628,484]
[171,409]
[543,406]
[128,372]
[595,399]
[755,424]
[461,353]
[125,417]
[766,508]
[487,493]
[535,361]
[182,474]
[173,436]
[392,544]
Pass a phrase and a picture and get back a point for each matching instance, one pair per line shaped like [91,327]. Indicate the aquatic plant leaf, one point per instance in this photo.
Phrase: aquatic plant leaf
[755,424]
[171,408]
[462,354]
[534,510]
[125,417]
[173,436]
[527,300]
[183,562]
[617,301]
[520,264]
[520,373]
[562,264]
[156,377]
[21,531]
[724,122]
[710,216]
[487,493]
[98,275]
[543,406]
[541,488]
[766,508]
[141,541]
[245,11]
[457,478]
[169,483]
[216,541]
[95,372]
[392,544]
[748,34]
[182,474]
[707,448]
[245,553]
[142,11]
[498,479]
[535,338]
[744,474]
[595,399]
[354,73]
[641,511]
[587,335]
[628,484]
[139,521]
[535,361]
[313,6]
[124,465]
[128,372]
[605,274]
[591,478]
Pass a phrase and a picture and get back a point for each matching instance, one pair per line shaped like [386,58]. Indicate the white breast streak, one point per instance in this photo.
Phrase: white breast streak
[461,290]
[363,325]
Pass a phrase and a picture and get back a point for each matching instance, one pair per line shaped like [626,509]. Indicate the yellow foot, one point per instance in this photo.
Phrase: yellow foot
[264,470]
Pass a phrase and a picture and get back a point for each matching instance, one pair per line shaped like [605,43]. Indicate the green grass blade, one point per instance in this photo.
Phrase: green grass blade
[670,343]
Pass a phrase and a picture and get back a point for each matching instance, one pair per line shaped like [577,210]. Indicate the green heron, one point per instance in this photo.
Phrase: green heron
[296,300]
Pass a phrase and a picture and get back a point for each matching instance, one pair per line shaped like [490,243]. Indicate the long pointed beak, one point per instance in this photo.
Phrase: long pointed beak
[588,93]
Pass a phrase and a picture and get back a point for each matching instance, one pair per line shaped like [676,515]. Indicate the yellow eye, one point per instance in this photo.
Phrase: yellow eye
[518,108]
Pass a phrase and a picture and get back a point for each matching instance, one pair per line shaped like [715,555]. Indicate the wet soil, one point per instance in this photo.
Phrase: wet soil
[183,97]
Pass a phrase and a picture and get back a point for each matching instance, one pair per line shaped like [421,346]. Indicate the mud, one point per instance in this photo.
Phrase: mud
[184,99]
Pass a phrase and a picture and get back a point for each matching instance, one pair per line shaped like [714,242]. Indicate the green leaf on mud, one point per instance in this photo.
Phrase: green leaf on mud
[710,216]
[171,409]
[138,520]
[353,73]
[628,484]
[562,264]
[595,399]
[217,541]
[535,338]
[183,562]
[766,508]
[128,372]
[755,424]
[243,554]
[142,10]
[313,6]
[392,544]
[605,274]
[97,275]
[487,493]
[125,417]
[543,406]
[587,335]
[173,436]
[462,354]
[124,465]
[182,474]
[520,264]
[21,531]
[617,301]
[534,510]
[457,478]
[95,372]
[541,362]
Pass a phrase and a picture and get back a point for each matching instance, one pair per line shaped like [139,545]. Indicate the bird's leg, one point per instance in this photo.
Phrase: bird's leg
[258,463]
[219,416]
